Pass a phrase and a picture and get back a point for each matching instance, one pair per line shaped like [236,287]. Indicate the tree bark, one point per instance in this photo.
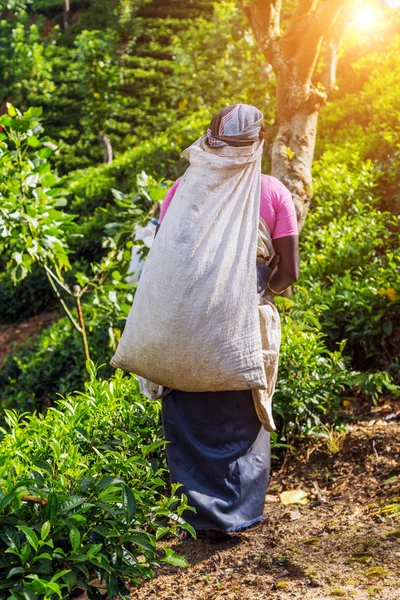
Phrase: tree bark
[292,157]
[108,152]
[294,56]
[333,42]
[66,14]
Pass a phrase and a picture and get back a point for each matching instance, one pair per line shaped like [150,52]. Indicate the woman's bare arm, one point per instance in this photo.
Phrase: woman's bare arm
[288,269]
[288,261]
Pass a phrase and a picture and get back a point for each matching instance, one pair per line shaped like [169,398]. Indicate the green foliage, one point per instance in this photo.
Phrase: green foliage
[116,214]
[95,71]
[83,505]
[50,364]
[369,114]
[312,378]
[25,299]
[150,75]
[14,6]
[217,63]
[363,307]
[33,229]
[26,63]
[351,260]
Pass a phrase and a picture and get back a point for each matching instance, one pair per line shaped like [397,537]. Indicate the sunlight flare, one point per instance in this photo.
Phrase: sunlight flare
[366,17]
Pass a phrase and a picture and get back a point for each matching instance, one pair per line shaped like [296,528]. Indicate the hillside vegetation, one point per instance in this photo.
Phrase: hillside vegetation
[93,119]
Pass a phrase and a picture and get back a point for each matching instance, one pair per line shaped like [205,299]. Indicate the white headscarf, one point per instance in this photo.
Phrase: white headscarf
[239,126]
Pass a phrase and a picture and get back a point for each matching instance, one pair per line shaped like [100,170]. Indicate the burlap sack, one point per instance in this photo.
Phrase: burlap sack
[194,324]
[270,327]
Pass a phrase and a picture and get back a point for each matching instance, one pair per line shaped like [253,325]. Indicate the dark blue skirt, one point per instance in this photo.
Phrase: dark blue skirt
[221,454]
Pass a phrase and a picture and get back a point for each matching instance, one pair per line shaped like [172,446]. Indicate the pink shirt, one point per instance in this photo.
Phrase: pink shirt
[276,206]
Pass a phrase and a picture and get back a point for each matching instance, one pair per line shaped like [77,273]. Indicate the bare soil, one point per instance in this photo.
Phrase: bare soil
[345,543]
[20,332]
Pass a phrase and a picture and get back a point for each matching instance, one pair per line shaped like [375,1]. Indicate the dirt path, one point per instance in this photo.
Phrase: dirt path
[345,543]
[18,333]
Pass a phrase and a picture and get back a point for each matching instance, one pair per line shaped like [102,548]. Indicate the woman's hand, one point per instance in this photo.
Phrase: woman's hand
[264,273]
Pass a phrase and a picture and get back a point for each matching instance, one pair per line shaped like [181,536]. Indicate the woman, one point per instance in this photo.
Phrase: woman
[217,448]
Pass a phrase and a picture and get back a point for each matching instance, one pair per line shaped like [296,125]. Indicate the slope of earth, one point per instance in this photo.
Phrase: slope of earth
[345,543]
[20,332]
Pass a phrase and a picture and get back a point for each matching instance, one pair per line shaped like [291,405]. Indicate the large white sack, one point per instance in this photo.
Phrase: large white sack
[146,235]
[194,324]
[270,327]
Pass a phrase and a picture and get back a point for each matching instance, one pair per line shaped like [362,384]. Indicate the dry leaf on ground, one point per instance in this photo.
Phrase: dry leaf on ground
[293,497]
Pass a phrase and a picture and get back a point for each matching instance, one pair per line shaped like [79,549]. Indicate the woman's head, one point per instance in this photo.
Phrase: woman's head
[236,125]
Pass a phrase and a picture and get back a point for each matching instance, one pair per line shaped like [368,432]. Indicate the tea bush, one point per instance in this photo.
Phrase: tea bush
[83,497]
[29,297]
[47,365]
[312,377]
[351,261]
[362,307]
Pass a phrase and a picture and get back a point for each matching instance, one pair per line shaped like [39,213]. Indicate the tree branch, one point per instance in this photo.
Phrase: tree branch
[65,307]
[297,26]
[108,151]
[304,7]
[264,18]
[332,42]
[60,283]
[325,15]
[319,22]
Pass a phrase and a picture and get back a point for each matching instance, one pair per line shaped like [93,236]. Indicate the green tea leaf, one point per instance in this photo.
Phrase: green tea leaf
[25,553]
[6,501]
[129,503]
[45,530]
[30,536]
[52,506]
[108,481]
[70,579]
[33,141]
[11,110]
[93,550]
[112,586]
[175,559]
[73,502]
[60,574]
[54,587]
[143,542]
[75,538]
[15,571]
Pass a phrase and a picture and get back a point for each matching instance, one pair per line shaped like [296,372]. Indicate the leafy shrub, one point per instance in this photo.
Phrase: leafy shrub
[83,498]
[347,243]
[27,298]
[351,261]
[343,183]
[368,113]
[363,307]
[312,378]
[48,365]
[33,226]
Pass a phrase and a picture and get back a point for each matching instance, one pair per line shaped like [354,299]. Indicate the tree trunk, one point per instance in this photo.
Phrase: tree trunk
[66,13]
[328,76]
[293,149]
[108,152]
[294,56]
[292,157]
